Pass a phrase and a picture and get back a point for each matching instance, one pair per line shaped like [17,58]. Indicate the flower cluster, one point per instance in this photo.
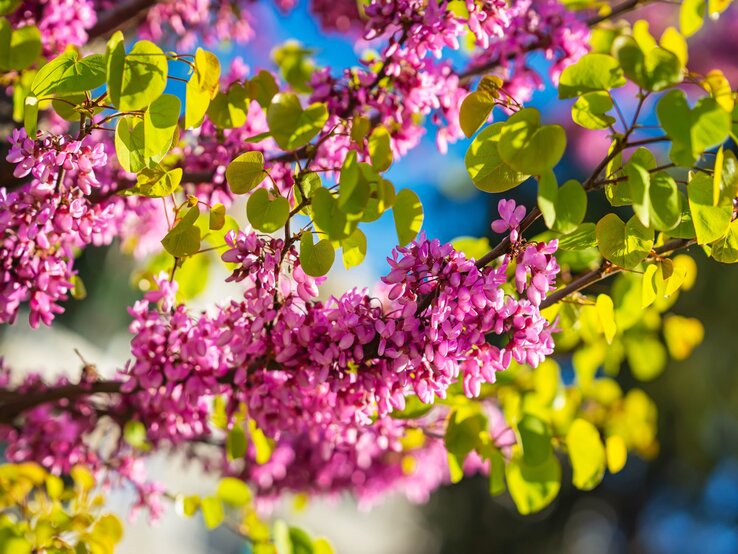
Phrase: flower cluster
[544,25]
[61,22]
[414,84]
[68,22]
[315,376]
[188,20]
[320,379]
[43,221]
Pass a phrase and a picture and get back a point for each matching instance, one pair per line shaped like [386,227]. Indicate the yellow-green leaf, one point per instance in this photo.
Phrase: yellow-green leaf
[587,454]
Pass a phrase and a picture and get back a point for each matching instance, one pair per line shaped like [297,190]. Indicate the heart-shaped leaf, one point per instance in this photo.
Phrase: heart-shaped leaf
[624,244]
[408,212]
[593,72]
[267,214]
[316,259]
[710,222]
[138,78]
[486,168]
[526,145]
[160,122]
[290,125]
[245,172]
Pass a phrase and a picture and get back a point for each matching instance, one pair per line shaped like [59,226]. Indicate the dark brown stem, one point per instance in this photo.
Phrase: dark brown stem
[118,16]
[606,269]
[623,8]
[11,409]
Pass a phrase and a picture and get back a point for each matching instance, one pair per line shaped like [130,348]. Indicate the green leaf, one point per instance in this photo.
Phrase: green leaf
[130,143]
[160,123]
[587,454]
[138,78]
[725,250]
[639,182]
[21,89]
[665,203]
[526,145]
[9,6]
[463,433]
[472,247]
[20,47]
[532,488]
[486,168]
[30,116]
[581,238]
[716,7]
[233,491]
[535,439]
[408,212]
[207,71]
[236,443]
[54,487]
[187,506]
[360,127]
[548,194]
[257,138]
[156,183]
[295,64]
[245,172]
[354,186]
[379,148]
[717,84]
[685,228]
[663,69]
[673,41]
[262,88]
[496,473]
[646,356]
[66,106]
[692,131]
[328,216]
[265,214]
[202,87]
[606,314]
[691,16]
[67,74]
[624,244]
[593,72]
[653,69]
[590,110]
[83,478]
[316,259]
[354,249]
[184,239]
[262,445]
[134,433]
[212,511]
[290,125]
[217,217]
[228,110]
[474,111]
[710,222]
[563,208]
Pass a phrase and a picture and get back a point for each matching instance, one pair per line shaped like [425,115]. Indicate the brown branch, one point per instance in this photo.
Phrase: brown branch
[118,16]
[606,269]
[623,8]
[25,401]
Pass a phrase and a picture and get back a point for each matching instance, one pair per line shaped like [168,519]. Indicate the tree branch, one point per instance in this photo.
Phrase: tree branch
[118,16]
[606,269]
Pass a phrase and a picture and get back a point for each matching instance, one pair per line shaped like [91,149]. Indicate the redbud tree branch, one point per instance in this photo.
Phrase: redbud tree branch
[607,269]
